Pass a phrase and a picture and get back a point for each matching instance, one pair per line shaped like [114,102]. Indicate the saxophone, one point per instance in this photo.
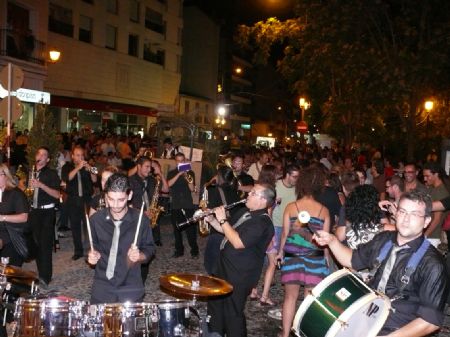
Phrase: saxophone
[153,209]
[29,190]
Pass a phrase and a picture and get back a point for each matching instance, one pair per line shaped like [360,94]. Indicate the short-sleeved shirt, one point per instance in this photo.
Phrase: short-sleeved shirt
[438,193]
[13,201]
[287,195]
[426,293]
[180,192]
[244,266]
[50,178]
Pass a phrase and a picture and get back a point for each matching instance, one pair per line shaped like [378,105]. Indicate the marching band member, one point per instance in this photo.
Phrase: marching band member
[117,261]
[241,258]
[98,201]
[419,302]
[79,189]
[182,184]
[46,193]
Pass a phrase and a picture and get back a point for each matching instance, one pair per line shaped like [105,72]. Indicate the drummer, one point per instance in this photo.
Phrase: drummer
[419,304]
[117,262]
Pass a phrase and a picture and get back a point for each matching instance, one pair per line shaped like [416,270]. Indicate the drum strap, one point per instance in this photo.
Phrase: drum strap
[413,262]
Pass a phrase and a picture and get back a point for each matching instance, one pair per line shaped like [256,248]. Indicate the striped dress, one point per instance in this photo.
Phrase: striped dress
[303,263]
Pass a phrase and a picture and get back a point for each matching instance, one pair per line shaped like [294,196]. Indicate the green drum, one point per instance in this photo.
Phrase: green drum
[341,306]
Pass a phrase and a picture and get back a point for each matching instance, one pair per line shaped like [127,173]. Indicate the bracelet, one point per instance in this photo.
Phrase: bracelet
[221,222]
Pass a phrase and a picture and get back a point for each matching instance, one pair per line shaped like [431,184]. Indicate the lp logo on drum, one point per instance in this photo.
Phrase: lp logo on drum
[373,309]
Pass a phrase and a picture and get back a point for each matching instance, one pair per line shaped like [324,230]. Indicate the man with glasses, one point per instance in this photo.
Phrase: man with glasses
[241,258]
[411,182]
[419,303]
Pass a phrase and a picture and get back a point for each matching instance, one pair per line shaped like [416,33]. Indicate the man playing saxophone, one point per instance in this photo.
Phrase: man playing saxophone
[146,184]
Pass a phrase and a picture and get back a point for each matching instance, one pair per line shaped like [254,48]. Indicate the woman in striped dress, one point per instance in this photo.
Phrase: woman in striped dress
[304,263]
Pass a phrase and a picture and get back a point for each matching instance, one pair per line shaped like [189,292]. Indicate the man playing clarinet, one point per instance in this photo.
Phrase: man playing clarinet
[117,251]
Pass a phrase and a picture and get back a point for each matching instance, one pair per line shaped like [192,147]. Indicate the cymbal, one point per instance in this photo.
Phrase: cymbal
[16,272]
[195,285]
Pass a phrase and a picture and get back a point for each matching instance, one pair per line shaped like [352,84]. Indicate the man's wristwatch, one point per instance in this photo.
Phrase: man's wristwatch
[221,222]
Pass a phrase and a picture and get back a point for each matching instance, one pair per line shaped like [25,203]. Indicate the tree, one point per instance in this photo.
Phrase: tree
[361,62]
[43,133]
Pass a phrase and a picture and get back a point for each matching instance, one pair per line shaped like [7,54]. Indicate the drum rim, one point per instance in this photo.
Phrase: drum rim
[352,309]
[322,285]
[173,304]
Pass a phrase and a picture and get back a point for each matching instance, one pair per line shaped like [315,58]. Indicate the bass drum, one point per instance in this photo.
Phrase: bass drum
[341,306]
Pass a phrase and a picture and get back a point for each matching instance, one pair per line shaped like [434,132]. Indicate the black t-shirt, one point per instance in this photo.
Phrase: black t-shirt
[13,201]
[50,178]
[138,187]
[330,199]
[427,290]
[244,266]
[180,192]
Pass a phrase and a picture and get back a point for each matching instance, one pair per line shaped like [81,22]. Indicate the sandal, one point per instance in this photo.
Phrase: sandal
[266,302]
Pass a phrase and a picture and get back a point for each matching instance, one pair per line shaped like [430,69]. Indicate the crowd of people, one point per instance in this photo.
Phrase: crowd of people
[310,211]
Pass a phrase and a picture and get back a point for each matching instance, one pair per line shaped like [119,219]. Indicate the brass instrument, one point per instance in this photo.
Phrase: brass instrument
[189,176]
[203,226]
[229,162]
[153,209]
[29,190]
[148,153]
[202,215]
[92,170]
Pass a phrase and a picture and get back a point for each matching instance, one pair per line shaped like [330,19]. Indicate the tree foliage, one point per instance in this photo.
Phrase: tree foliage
[43,133]
[366,64]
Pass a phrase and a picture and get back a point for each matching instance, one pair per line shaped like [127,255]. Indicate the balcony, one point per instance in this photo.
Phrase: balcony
[22,46]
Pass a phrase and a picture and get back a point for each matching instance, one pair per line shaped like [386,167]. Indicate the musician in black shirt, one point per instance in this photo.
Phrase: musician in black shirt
[78,179]
[181,188]
[42,215]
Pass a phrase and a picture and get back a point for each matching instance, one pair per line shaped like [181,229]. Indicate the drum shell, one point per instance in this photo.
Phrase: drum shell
[174,318]
[121,319]
[28,318]
[341,300]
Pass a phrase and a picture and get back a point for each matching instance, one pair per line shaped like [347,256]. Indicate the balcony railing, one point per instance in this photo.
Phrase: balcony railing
[22,46]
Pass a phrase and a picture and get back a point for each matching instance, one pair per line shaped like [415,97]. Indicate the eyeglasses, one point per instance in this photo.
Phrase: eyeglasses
[254,193]
[401,213]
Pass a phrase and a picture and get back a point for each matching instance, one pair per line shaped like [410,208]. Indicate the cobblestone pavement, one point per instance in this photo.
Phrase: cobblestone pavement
[74,278]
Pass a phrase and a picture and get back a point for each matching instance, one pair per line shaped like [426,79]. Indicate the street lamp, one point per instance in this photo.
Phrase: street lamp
[54,55]
[428,105]
[304,105]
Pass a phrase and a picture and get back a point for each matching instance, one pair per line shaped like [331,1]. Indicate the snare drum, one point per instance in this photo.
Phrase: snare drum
[121,319]
[58,316]
[341,306]
[174,317]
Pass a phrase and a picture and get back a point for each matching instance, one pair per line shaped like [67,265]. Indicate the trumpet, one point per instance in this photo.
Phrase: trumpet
[92,169]
[189,176]
[200,215]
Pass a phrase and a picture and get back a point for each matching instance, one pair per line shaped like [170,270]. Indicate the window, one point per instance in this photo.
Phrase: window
[133,44]
[111,6]
[111,37]
[134,10]
[154,55]
[154,21]
[85,30]
[60,20]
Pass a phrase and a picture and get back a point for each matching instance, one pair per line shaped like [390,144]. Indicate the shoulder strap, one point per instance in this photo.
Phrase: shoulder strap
[413,262]
[298,210]
[385,249]
[320,211]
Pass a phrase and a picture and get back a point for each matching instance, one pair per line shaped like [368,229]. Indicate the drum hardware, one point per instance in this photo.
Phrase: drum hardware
[341,305]
[203,215]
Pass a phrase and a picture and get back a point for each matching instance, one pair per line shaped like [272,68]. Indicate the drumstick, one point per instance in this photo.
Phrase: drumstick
[138,225]
[89,232]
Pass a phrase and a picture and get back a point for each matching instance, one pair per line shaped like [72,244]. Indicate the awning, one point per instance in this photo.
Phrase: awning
[87,104]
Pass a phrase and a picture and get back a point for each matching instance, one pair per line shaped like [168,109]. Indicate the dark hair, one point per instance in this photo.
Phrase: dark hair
[180,154]
[46,149]
[141,160]
[268,175]
[419,197]
[435,168]
[334,182]
[310,182]
[379,166]
[361,208]
[167,141]
[290,168]
[118,182]
[225,176]
[269,193]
